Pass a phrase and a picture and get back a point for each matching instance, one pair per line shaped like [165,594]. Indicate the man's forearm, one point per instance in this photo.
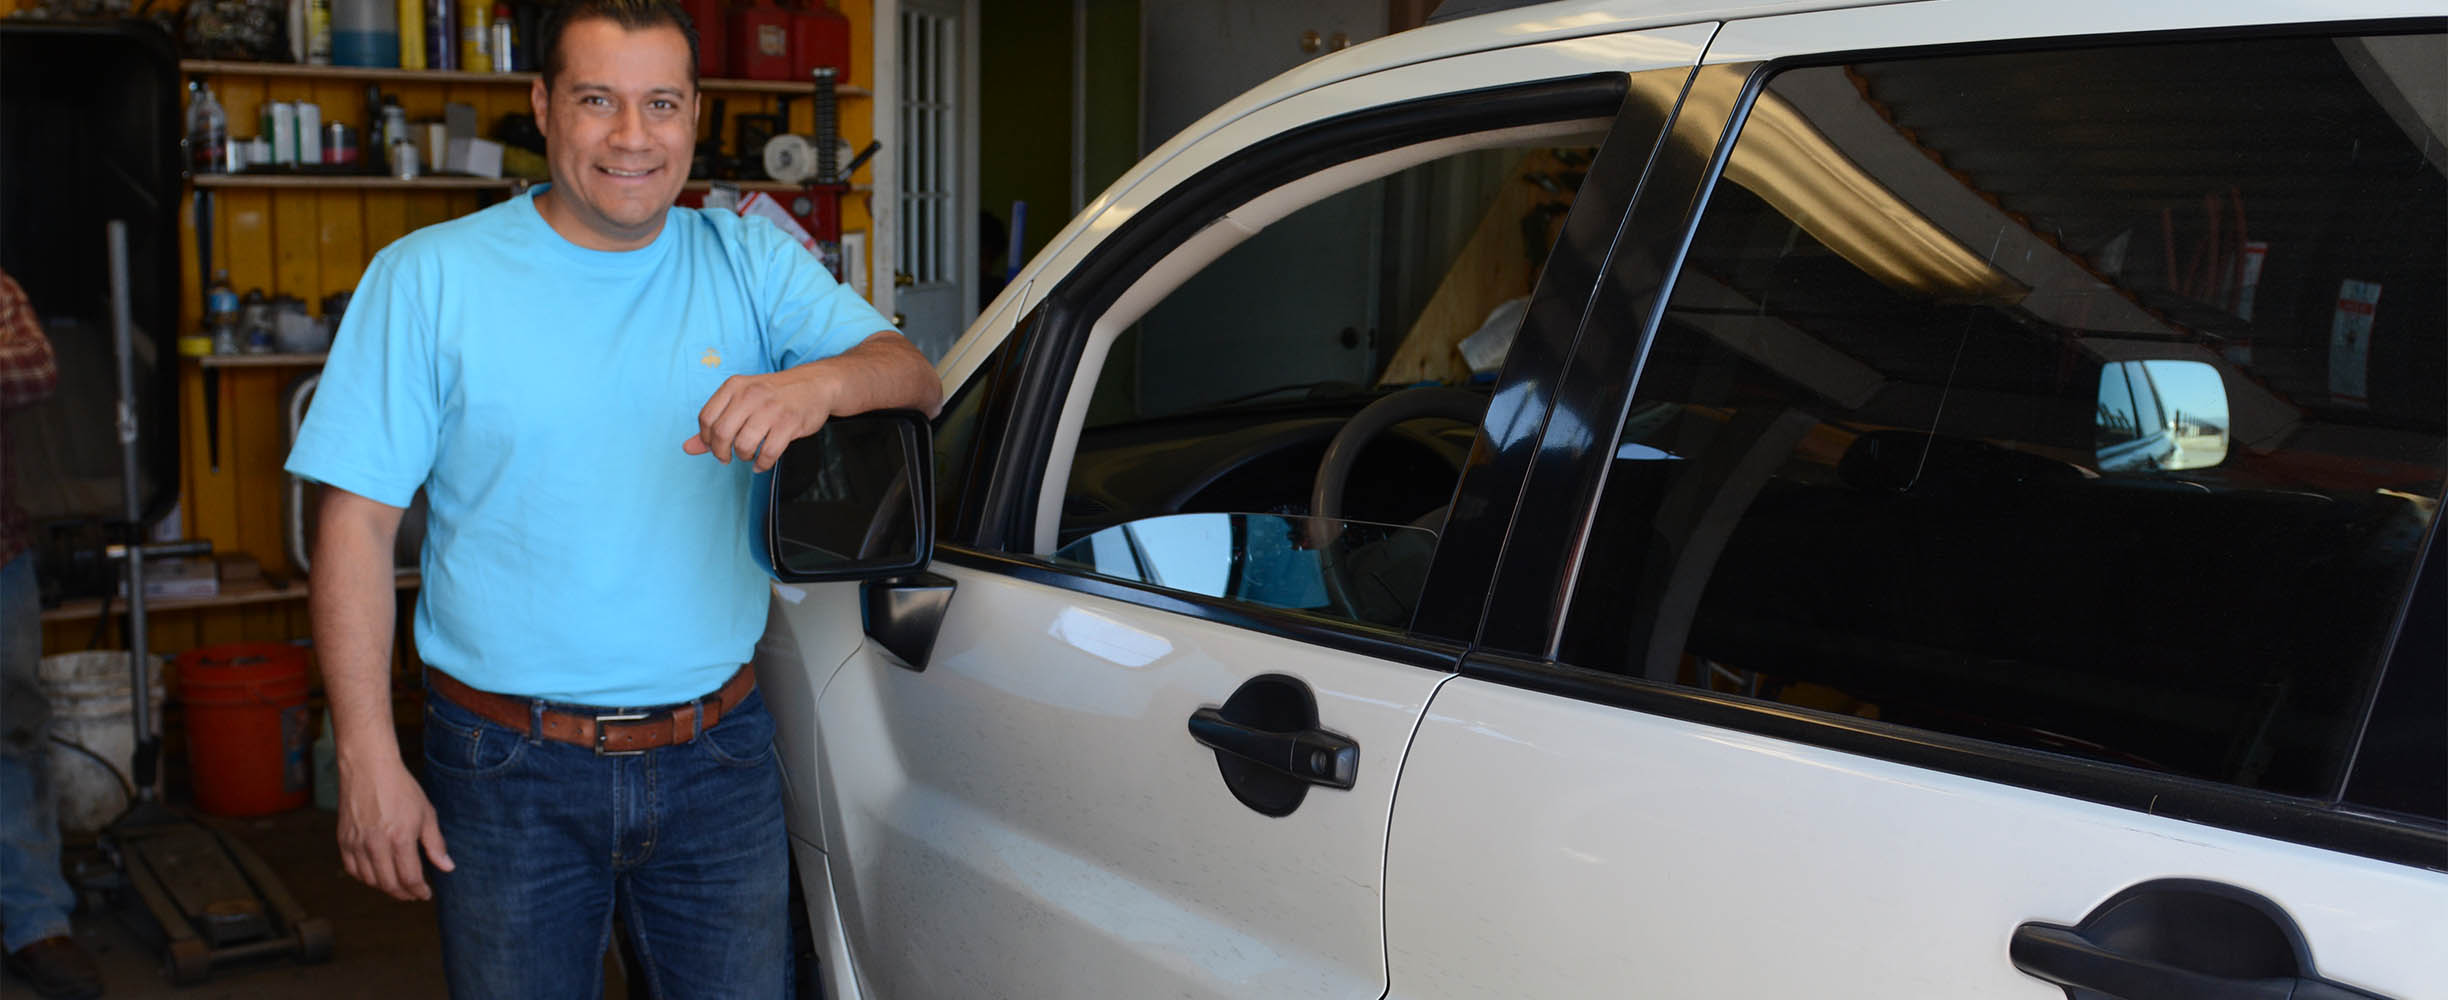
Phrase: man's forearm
[884,372]
[352,601]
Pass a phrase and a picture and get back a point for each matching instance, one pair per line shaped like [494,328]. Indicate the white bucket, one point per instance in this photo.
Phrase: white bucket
[90,708]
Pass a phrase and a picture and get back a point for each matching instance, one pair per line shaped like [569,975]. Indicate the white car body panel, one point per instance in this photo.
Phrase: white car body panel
[1029,816]
[1550,847]
[1936,22]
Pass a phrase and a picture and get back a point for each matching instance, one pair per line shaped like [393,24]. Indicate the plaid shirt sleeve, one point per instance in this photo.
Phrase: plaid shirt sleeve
[27,371]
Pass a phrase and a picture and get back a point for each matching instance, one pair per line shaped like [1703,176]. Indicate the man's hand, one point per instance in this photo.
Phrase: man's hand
[756,417]
[384,820]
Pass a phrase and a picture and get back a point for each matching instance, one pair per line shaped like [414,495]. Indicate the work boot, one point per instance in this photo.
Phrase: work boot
[57,968]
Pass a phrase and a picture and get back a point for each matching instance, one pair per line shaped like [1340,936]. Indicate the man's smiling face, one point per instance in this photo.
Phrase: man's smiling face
[620,123]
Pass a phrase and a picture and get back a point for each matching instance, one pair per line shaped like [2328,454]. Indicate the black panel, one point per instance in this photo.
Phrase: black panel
[2402,763]
[1517,415]
[904,614]
[1527,600]
[89,132]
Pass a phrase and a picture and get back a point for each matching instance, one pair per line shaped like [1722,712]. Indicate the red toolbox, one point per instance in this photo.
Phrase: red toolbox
[820,36]
[760,42]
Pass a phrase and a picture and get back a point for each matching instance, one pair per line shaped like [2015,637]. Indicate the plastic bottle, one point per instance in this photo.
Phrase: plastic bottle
[254,324]
[207,131]
[220,301]
[394,130]
[221,314]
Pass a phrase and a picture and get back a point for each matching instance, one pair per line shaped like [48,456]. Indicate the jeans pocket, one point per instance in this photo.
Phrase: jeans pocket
[745,734]
[459,743]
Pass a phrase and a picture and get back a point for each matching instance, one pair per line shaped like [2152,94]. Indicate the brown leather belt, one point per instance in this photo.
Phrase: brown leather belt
[608,733]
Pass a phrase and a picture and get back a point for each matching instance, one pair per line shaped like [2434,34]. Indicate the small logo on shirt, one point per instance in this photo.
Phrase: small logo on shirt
[711,358]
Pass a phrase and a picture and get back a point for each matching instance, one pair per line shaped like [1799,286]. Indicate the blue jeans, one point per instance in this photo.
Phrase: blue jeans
[685,842]
[34,899]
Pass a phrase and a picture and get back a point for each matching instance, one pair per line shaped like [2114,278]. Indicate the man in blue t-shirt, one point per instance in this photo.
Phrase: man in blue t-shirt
[581,380]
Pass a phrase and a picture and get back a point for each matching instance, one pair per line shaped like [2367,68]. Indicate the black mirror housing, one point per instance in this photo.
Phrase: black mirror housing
[853,501]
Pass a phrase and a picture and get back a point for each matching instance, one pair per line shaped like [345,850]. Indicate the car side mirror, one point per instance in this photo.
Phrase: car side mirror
[2160,414]
[853,501]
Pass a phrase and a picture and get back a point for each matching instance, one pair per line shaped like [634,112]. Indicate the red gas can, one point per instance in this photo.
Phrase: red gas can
[713,36]
[820,36]
[761,42]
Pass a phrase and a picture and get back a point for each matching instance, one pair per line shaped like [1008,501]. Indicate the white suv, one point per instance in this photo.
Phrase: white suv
[1927,499]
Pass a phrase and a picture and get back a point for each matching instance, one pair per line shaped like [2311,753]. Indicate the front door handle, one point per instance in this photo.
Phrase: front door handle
[2177,939]
[1312,755]
[1269,748]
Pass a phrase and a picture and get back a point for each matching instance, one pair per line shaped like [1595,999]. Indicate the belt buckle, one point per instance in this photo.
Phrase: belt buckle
[600,732]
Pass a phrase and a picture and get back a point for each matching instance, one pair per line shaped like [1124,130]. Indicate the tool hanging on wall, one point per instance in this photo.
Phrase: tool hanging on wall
[812,161]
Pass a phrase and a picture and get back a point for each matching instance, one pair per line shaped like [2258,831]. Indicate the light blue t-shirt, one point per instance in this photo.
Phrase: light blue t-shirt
[540,391]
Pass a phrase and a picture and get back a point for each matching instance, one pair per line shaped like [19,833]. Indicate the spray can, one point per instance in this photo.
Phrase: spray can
[318,32]
[339,144]
[475,35]
[505,58]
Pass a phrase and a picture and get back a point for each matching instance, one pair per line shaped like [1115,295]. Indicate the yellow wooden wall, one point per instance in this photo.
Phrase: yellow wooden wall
[310,243]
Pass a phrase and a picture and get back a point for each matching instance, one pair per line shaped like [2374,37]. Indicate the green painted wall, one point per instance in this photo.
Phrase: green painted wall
[1025,107]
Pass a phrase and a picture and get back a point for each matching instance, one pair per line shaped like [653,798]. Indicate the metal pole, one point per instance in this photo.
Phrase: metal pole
[139,659]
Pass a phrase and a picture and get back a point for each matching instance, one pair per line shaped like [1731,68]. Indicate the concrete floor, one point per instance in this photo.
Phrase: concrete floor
[381,948]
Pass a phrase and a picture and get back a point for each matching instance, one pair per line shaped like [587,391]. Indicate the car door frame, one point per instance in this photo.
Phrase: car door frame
[1530,595]
[1029,384]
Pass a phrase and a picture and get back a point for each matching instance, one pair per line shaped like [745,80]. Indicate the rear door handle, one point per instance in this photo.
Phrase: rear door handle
[2177,939]
[1312,755]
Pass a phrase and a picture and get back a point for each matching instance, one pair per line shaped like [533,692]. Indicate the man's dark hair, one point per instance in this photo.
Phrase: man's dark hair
[633,15]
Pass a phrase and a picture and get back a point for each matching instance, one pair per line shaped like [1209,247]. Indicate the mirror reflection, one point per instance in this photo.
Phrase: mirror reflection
[2169,415]
[842,497]
[1364,572]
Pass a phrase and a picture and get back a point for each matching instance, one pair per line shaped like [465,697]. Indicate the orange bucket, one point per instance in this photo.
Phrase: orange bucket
[247,732]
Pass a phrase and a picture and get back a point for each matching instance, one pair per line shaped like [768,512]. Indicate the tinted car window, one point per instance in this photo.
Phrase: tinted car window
[1886,456]
[956,441]
[1199,466]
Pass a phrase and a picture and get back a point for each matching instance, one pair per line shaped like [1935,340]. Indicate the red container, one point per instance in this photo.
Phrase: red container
[713,36]
[820,37]
[247,731]
[760,43]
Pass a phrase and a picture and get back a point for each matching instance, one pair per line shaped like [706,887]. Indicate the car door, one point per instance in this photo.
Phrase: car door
[1138,732]
[1837,650]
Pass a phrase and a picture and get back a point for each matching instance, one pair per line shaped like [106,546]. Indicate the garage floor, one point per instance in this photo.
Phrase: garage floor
[382,948]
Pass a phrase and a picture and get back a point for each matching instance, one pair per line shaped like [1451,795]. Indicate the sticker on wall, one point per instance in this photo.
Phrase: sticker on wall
[2350,341]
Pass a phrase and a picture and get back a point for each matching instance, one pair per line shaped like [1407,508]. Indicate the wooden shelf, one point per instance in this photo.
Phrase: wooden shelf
[260,360]
[770,187]
[251,592]
[271,69]
[354,181]
[371,182]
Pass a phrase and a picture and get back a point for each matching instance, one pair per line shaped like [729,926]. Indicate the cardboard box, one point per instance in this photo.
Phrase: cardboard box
[475,157]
